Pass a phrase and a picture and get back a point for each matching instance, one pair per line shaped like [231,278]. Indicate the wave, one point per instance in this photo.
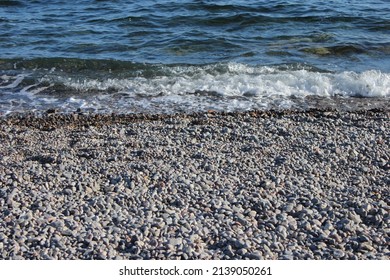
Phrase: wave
[126,86]
[234,79]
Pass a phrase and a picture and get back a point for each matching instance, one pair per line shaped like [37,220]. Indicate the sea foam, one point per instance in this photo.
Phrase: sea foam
[241,80]
[230,87]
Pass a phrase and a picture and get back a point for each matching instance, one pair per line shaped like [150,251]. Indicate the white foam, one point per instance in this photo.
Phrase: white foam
[227,87]
[17,80]
[243,80]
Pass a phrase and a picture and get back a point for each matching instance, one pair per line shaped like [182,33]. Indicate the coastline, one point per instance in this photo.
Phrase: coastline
[252,185]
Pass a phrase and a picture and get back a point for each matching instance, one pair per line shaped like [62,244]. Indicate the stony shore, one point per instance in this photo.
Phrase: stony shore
[255,185]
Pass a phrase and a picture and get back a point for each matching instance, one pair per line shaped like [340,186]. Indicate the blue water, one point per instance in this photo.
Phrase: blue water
[168,56]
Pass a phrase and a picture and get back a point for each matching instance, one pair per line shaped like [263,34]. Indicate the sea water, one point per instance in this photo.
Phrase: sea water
[166,56]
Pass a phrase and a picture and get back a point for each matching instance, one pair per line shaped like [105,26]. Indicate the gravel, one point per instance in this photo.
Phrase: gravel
[253,185]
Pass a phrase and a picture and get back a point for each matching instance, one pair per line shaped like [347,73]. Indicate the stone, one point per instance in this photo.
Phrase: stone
[175,241]
[178,187]
[338,254]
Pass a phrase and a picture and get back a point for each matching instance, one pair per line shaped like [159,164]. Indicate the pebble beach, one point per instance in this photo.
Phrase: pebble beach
[248,185]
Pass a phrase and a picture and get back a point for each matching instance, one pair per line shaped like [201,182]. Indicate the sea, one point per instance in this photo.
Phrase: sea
[162,56]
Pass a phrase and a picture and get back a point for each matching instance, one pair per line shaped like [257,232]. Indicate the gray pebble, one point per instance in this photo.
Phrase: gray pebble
[220,186]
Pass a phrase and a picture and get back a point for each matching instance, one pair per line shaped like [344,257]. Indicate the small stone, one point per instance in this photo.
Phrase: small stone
[50,219]
[288,255]
[242,251]
[67,232]
[292,223]
[327,225]
[175,241]
[241,219]
[168,221]
[229,251]
[338,253]
[88,190]
[252,213]
[188,251]
[194,237]
[58,224]
[350,227]
[289,207]
[363,238]
[365,208]
[15,248]
[299,208]
[266,184]
[153,242]
[366,246]
[336,237]
[255,256]
[306,225]
[354,217]
[68,191]
[239,244]
[282,231]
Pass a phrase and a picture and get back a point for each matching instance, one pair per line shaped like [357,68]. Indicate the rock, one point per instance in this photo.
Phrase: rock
[252,214]
[282,230]
[230,186]
[255,256]
[229,251]
[354,217]
[175,241]
[289,207]
[338,254]
[366,246]
[239,244]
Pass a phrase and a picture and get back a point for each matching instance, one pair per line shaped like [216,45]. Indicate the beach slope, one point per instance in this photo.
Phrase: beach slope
[254,185]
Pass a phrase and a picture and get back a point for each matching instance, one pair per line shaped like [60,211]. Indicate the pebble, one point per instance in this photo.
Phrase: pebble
[240,244]
[366,246]
[229,186]
[289,207]
[338,254]
[255,256]
[252,214]
[175,241]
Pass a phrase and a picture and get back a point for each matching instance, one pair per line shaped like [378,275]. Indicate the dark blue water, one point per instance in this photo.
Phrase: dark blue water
[167,56]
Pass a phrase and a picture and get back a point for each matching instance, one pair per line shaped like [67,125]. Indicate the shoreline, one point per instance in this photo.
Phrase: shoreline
[249,185]
[51,119]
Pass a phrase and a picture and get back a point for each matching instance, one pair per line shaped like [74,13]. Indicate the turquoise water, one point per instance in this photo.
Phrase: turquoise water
[169,56]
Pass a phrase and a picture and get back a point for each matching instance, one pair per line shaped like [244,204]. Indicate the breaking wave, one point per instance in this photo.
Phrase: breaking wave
[129,87]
